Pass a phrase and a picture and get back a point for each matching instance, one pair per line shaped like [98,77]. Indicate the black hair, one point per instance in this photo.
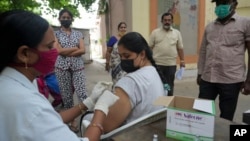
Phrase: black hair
[228,0]
[219,0]
[65,11]
[167,14]
[18,28]
[120,24]
[135,42]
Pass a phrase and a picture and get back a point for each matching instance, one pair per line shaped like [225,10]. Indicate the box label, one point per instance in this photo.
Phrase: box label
[186,137]
[190,123]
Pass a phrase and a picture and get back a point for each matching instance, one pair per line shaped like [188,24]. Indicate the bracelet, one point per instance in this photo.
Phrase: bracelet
[97,125]
[182,61]
[81,108]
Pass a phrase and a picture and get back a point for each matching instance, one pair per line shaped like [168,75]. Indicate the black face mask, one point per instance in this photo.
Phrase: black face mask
[66,23]
[128,65]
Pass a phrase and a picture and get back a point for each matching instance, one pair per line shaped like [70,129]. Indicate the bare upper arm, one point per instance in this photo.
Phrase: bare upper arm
[109,49]
[57,45]
[81,45]
[118,112]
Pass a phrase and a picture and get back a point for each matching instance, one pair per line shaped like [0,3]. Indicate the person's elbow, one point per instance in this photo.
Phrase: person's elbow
[83,51]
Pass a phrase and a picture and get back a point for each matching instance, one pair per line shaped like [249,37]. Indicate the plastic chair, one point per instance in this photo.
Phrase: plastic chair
[154,116]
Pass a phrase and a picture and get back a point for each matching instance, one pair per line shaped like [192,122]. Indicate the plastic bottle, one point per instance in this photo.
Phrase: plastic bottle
[166,89]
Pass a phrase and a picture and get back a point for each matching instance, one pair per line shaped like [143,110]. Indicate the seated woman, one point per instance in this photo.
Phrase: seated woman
[140,87]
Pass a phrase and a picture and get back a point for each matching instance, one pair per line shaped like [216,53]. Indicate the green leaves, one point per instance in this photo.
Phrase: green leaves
[103,7]
[46,6]
[30,5]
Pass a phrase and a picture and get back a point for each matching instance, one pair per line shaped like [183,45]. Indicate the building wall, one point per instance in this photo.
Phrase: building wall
[140,17]
[128,14]
[209,12]
[244,11]
[244,4]
[117,15]
[103,35]
[143,16]
[109,22]
[134,12]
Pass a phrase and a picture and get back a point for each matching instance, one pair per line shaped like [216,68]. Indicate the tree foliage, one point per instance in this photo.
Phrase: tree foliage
[46,6]
[103,7]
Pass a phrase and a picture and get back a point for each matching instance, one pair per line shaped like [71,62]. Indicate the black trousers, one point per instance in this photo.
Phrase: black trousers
[228,96]
[169,74]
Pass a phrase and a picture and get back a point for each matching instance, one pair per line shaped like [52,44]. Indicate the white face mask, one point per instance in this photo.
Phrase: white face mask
[167,27]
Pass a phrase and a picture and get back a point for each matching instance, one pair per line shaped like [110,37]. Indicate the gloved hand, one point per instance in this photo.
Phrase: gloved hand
[106,100]
[101,86]
[97,91]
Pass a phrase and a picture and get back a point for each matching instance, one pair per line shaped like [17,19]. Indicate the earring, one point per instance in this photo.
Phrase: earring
[26,66]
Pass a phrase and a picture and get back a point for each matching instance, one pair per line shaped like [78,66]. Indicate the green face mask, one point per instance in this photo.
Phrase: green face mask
[222,11]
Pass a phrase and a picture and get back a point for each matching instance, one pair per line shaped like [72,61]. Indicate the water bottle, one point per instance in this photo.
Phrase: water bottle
[155,137]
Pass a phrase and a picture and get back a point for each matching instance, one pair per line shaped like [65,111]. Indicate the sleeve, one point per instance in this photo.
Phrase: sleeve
[45,124]
[52,83]
[151,42]
[179,42]
[129,86]
[83,139]
[56,33]
[202,54]
[111,41]
[80,35]
[247,34]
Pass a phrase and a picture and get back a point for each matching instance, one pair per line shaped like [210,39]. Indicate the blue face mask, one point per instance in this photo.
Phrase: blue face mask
[222,11]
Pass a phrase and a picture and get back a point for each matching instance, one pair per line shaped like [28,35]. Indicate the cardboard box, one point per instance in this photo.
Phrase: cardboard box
[189,119]
[246,117]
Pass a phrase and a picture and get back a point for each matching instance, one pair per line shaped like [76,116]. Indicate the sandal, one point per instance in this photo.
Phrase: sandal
[73,127]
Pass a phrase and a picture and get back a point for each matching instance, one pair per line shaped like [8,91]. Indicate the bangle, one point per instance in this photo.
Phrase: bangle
[182,61]
[98,126]
[81,108]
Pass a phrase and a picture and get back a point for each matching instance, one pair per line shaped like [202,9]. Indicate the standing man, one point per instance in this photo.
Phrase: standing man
[166,44]
[221,64]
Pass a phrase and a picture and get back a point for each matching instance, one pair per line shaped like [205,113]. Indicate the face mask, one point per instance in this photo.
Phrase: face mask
[167,27]
[122,33]
[128,65]
[66,23]
[222,11]
[46,61]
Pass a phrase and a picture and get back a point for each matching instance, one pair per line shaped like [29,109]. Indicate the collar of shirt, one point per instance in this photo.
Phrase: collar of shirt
[233,18]
[19,77]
